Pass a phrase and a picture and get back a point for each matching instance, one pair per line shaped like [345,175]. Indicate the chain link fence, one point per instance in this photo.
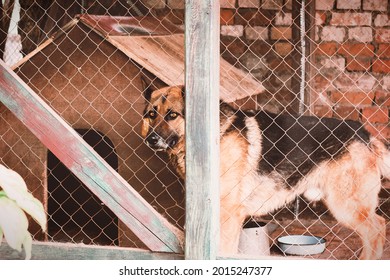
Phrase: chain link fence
[328,58]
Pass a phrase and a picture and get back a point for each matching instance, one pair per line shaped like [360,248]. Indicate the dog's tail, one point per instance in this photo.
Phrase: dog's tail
[382,150]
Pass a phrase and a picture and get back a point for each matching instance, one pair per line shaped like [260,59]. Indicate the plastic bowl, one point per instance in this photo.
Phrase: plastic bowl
[301,245]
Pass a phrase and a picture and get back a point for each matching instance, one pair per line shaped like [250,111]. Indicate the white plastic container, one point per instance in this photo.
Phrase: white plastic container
[254,239]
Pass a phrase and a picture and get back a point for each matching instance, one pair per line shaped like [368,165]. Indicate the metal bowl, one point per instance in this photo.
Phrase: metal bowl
[301,245]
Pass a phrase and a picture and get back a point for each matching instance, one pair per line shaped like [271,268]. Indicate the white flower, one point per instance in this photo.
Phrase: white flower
[13,221]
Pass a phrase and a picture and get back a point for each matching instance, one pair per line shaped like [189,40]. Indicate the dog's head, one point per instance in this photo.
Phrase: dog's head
[163,120]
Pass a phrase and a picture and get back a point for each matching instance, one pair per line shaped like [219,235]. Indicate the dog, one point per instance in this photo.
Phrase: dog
[268,159]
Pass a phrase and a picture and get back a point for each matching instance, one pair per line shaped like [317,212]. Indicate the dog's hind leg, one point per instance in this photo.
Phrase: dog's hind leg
[372,232]
[366,223]
[352,197]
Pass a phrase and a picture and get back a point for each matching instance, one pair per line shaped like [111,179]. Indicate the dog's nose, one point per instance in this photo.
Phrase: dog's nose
[152,139]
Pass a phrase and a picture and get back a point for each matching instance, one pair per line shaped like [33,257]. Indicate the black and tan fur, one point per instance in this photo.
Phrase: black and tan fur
[267,160]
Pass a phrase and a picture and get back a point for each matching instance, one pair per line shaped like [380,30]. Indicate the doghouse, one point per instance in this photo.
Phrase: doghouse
[90,74]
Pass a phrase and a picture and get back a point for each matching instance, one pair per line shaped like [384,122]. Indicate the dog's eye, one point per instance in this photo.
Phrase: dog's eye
[151,114]
[172,115]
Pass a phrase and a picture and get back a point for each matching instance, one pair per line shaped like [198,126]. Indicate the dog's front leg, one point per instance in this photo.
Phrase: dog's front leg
[230,229]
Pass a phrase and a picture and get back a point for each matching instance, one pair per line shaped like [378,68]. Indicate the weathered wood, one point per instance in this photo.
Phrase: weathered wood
[130,26]
[71,251]
[153,229]
[202,129]
[163,56]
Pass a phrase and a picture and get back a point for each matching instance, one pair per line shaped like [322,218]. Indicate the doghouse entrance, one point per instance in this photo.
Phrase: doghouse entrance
[75,213]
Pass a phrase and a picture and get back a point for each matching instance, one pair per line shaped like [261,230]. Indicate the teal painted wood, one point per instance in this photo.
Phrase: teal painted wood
[202,128]
[70,251]
[150,227]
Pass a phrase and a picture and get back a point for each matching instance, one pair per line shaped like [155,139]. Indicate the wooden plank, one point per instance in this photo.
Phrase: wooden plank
[153,229]
[202,129]
[71,251]
[133,26]
[163,56]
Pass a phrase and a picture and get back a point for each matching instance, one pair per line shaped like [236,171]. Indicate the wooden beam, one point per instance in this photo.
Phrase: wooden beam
[202,128]
[71,251]
[152,228]
[168,64]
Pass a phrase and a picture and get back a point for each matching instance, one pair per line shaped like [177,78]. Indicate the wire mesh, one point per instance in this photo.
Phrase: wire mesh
[326,58]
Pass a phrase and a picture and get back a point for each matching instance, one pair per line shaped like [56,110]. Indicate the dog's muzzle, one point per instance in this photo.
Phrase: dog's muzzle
[158,143]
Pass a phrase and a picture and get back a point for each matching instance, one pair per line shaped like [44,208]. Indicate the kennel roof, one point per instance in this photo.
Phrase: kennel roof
[158,46]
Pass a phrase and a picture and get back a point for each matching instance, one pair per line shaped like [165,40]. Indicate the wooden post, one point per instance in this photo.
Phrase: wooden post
[202,128]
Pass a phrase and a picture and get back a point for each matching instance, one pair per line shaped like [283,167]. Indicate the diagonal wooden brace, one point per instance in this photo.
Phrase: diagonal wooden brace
[64,142]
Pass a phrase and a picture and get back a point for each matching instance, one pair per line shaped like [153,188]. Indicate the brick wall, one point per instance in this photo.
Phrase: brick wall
[352,62]
[350,58]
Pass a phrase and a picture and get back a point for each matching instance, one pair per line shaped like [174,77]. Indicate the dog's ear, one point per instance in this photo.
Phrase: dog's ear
[183,95]
[148,87]
[183,92]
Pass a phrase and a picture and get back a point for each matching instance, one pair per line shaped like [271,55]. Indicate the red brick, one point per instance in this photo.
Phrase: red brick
[375,5]
[355,82]
[320,18]
[326,48]
[358,64]
[321,83]
[227,16]
[252,17]
[348,4]
[281,33]
[260,47]
[346,113]
[375,114]
[322,111]
[351,19]
[357,49]
[361,34]
[381,66]
[381,131]
[352,98]
[232,45]
[382,98]
[383,51]
[333,33]
[382,35]
[324,4]
[280,65]
[283,49]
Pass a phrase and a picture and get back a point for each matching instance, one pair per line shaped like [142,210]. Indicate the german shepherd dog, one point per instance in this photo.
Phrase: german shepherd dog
[267,160]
